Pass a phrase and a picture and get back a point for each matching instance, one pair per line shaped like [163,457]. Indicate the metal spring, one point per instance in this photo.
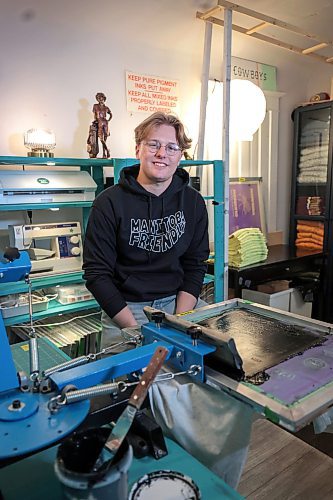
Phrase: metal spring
[98,390]
[72,363]
[33,350]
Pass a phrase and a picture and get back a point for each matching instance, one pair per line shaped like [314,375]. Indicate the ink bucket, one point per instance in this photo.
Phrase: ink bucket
[74,463]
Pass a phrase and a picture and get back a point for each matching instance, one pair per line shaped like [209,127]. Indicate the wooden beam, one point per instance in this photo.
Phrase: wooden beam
[272,41]
[259,27]
[270,20]
[314,48]
[210,12]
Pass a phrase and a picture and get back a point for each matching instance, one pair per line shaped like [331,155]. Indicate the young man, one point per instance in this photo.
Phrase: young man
[147,237]
[146,244]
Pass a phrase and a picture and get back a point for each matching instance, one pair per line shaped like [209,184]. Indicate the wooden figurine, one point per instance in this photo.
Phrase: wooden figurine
[99,129]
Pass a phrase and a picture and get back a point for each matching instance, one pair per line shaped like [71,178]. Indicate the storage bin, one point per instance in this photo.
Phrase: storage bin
[298,306]
[279,300]
[17,304]
[290,300]
[72,293]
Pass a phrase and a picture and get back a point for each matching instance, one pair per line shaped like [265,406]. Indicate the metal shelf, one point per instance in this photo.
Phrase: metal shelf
[94,166]
[53,309]
[42,282]
[45,206]
[60,162]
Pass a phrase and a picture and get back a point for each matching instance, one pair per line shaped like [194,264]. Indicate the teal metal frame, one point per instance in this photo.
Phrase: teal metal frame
[94,166]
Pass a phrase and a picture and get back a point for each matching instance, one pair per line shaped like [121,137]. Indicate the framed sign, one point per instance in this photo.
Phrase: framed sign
[246,205]
[147,94]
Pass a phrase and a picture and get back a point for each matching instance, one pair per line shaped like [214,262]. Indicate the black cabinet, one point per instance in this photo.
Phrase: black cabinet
[312,194]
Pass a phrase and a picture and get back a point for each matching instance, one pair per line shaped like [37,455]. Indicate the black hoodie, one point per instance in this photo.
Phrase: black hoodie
[141,247]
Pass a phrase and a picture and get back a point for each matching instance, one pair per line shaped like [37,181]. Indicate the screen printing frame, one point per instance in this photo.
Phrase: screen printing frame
[290,416]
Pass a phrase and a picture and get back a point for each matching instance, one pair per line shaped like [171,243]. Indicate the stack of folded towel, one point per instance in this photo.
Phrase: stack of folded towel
[246,247]
[313,159]
[310,234]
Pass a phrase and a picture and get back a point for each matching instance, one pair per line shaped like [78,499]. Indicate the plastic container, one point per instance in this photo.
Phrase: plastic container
[79,452]
[290,300]
[298,306]
[279,300]
[17,304]
[72,293]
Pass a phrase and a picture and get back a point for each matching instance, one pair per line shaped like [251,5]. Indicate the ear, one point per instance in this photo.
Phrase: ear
[137,148]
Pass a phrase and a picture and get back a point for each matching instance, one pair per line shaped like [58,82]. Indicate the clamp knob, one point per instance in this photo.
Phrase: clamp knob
[158,317]
[194,332]
[11,254]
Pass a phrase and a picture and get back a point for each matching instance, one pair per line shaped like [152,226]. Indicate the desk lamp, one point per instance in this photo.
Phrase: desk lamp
[40,142]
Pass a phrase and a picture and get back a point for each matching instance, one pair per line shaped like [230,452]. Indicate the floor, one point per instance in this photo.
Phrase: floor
[281,466]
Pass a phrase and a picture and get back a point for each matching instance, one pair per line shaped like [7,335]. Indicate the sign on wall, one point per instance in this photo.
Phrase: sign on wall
[246,206]
[148,94]
[262,75]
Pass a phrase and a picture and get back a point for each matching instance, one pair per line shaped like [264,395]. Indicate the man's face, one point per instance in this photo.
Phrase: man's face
[158,166]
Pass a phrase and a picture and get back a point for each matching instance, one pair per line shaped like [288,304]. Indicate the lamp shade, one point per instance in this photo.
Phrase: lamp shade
[247,109]
[40,141]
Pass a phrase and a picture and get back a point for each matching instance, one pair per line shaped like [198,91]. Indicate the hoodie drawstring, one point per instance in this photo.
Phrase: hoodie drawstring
[149,222]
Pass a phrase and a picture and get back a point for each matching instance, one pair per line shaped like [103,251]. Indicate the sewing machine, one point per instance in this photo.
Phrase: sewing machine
[59,250]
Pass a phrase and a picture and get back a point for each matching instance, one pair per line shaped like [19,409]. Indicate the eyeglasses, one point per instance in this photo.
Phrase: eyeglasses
[171,148]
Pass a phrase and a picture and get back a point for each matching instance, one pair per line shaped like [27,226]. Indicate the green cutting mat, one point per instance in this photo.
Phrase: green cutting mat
[49,355]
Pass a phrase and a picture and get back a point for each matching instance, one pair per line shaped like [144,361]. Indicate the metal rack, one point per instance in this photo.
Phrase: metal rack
[95,168]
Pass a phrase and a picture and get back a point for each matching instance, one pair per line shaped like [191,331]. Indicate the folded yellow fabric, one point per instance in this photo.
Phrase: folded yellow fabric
[247,246]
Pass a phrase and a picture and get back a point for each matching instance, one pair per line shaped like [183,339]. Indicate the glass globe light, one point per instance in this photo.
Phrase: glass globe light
[247,109]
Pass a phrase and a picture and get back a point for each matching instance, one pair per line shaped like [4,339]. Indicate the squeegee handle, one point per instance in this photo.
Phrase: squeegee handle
[148,377]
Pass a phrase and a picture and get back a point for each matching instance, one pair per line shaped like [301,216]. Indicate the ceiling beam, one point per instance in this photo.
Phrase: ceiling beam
[314,48]
[270,20]
[211,12]
[257,28]
[264,38]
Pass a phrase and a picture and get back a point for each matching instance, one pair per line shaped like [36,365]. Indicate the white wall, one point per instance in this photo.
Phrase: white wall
[55,55]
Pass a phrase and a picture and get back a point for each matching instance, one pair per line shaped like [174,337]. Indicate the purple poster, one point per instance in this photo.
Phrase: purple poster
[245,207]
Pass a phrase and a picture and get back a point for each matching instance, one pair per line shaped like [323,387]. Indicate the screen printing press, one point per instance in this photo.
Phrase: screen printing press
[279,363]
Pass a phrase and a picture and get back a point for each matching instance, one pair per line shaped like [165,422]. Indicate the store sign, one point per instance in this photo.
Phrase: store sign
[148,94]
[262,75]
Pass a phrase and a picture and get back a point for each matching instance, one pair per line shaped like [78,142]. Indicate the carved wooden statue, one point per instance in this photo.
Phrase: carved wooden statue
[99,129]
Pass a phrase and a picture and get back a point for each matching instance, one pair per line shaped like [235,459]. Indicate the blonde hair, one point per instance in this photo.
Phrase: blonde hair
[156,120]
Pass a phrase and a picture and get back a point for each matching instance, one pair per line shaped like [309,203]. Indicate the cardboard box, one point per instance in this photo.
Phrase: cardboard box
[274,286]
[275,238]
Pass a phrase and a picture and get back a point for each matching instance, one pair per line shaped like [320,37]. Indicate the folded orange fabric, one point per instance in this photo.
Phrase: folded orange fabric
[311,223]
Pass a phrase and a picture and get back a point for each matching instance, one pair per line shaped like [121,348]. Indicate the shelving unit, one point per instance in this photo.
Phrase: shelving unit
[311,214]
[95,167]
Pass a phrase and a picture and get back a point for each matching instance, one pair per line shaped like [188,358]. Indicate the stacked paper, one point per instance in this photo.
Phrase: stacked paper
[247,246]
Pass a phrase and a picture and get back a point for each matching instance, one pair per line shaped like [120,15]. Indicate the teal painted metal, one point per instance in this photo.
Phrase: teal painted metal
[95,166]
[45,206]
[219,209]
[53,310]
[49,162]
[33,478]
[43,282]
[120,163]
